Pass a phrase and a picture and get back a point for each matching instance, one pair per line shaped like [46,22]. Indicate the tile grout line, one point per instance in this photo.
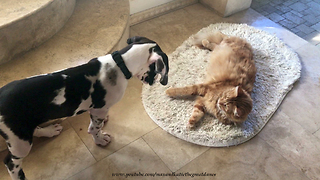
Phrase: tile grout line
[155,152]
[299,169]
[279,152]
[97,161]
[82,142]
[125,145]
[195,158]
[162,159]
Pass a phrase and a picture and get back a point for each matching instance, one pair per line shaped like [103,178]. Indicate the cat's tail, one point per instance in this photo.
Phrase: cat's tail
[208,40]
[199,89]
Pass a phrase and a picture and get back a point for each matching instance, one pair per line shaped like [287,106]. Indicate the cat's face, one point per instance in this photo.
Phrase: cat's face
[236,103]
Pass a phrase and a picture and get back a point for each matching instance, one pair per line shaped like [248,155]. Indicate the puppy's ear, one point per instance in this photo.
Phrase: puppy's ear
[158,61]
[159,67]
[163,67]
[154,57]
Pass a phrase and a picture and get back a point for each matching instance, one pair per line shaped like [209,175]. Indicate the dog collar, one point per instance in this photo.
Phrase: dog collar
[120,63]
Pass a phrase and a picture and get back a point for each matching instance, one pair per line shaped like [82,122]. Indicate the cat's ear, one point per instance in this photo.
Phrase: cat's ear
[238,112]
[238,91]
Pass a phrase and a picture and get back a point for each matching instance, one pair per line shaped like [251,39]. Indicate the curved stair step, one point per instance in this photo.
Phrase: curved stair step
[27,24]
[95,28]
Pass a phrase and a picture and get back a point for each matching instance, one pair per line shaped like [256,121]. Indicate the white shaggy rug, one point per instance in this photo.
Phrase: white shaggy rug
[278,67]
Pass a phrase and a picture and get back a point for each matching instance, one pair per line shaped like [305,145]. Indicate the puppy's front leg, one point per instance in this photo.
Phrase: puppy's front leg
[98,117]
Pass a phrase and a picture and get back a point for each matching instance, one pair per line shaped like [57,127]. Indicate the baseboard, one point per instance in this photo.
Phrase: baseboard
[159,10]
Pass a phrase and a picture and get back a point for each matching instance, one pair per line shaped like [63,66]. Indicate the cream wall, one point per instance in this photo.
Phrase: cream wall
[227,7]
[142,5]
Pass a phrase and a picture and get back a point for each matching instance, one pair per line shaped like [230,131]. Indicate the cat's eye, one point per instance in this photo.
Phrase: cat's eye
[225,106]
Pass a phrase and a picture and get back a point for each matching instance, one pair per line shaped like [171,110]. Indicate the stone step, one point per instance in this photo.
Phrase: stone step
[95,28]
[27,24]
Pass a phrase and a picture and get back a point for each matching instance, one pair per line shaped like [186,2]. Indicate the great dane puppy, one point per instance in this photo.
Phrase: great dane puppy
[93,87]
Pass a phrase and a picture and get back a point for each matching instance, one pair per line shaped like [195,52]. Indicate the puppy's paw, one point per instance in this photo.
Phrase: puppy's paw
[49,131]
[56,129]
[102,139]
[105,120]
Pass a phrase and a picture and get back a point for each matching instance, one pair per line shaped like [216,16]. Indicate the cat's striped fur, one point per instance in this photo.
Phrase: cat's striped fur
[229,80]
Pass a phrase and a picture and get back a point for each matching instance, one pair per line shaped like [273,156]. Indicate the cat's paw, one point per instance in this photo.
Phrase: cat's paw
[170,92]
[205,43]
[226,122]
[208,45]
[192,123]
[190,126]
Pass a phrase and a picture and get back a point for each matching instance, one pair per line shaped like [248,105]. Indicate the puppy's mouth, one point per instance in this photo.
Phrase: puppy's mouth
[147,79]
[152,75]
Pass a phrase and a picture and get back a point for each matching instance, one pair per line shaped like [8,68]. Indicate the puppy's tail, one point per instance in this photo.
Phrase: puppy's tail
[208,40]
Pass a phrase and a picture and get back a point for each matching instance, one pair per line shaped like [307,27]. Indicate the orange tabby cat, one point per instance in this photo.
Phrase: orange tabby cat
[229,80]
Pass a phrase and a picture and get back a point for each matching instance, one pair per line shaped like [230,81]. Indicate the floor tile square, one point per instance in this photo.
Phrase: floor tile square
[252,160]
[127,122]
[57,158]
[294,143]
[298,6]
[174,152]
[139,157]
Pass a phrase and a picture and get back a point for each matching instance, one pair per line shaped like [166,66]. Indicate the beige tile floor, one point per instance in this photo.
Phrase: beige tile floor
[287,148]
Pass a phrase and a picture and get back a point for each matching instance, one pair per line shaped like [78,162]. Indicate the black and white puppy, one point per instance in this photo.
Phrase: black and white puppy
[92,87]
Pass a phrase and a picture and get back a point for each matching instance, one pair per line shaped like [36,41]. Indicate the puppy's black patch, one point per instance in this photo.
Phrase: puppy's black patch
[81,111]
[98,95]
[15,157]
[112,77]
[151,74]
[4,135]
[159,66]
[135,40]
[26,103]
[8,162]
[21,174]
